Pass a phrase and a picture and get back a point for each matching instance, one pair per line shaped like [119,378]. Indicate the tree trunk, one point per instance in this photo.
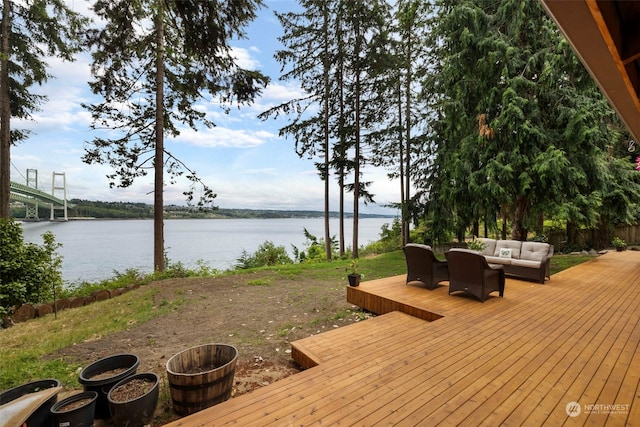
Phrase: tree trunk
[356,168]
[572,233]
[158,200]
[403,202]
[327,92]
[518,232]
[602,235]
[341,136]
[503,233]
[407,139]
[5,115]
[341,219]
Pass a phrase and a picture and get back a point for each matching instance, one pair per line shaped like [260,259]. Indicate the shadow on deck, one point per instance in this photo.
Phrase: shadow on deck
[431,358]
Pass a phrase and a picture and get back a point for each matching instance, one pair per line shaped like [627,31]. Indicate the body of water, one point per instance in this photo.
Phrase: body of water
[93,250]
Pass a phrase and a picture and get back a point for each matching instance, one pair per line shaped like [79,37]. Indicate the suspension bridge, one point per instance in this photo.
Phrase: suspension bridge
[33,198]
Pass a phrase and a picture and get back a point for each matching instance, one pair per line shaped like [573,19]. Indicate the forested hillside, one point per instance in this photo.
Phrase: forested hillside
[127,210]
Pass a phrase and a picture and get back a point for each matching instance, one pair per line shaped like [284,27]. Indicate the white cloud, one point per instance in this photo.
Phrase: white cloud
[223,137]
[242,159]
[244,58]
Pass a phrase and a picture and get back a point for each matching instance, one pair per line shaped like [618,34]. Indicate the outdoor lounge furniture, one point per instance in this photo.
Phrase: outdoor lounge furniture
[529,260]
[423,266]
[469,272]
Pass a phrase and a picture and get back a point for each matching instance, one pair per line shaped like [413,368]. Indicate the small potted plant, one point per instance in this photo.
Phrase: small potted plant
[354,275]
[133,400]
[476,245]
[77,410]
[619,244]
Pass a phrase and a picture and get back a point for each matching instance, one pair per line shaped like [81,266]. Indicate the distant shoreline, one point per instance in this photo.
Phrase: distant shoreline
[90,210]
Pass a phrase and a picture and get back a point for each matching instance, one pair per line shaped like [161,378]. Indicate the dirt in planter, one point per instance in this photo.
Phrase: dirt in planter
[74,405]
[131,390]
[108,374]
[201,369]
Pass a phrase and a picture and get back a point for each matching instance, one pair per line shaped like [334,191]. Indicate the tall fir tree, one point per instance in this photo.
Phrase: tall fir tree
[151,72]
[32,30]
[514,111]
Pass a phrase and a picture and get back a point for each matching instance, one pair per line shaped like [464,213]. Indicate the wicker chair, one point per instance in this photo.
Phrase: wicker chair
[469,272]
[423,267]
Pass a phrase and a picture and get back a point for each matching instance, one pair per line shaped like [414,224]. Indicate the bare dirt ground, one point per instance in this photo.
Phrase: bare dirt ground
[260,314]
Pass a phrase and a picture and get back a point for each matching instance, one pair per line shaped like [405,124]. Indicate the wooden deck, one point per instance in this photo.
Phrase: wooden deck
[517,360]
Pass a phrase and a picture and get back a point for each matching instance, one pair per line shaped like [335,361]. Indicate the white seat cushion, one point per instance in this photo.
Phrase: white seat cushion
[525,263]
[489,246]
[498,260]
[534,251]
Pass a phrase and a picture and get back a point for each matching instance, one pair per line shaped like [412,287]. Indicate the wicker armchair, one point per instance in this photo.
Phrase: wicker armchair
[469,272]
[423,267]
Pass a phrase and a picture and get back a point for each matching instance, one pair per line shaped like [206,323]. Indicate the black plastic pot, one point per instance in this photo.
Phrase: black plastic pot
[92,378]
[81,416]
[137,411]
[354,279]
[42,415]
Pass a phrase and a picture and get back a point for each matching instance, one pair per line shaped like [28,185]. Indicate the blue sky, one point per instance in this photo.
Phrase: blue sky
[243,159]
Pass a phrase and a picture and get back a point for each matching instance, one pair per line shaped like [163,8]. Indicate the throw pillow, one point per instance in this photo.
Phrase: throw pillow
[505,253]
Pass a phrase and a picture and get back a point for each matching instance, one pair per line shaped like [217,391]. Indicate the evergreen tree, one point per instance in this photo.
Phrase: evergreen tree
[520,126]
[363,34]
[152,61]
[308,42]
[31,31]
[402,64]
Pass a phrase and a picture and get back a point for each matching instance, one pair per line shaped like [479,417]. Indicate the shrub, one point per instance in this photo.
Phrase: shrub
[29,273]
[390,239]
[314,250]
[268,254]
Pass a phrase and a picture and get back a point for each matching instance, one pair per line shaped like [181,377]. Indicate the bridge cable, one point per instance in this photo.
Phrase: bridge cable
[17,170]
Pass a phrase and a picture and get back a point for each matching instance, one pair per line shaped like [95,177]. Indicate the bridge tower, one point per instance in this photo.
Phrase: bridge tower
[59,183]
[31,211]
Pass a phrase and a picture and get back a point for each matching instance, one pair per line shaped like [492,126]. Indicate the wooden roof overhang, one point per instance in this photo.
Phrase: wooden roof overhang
[606,37]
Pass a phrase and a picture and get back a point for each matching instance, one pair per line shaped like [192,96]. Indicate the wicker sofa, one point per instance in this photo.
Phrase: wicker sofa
[528,260]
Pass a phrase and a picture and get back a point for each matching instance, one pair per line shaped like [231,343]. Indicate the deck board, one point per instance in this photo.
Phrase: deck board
[434,359]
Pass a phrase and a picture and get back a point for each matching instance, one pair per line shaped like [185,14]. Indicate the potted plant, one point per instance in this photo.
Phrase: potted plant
[133,400]
[201,376]
[354,275]
[103,374]
[476,245]
[619,244]
[77,410]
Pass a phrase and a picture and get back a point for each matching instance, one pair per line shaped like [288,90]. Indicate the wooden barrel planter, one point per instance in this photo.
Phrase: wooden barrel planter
[23,313]
[62,304]
[101,295]
[43,309]
[201,376]
[76,302]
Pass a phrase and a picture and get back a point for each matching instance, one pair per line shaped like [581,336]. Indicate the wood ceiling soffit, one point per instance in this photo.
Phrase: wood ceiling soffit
[606,15]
